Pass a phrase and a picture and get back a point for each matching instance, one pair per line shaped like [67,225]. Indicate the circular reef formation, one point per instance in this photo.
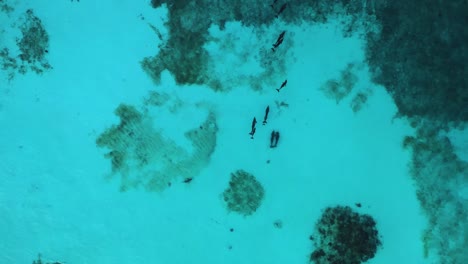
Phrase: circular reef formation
[244,194]
[344,237]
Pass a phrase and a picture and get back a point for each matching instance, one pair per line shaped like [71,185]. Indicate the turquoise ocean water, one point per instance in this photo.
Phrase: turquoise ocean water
[127,136]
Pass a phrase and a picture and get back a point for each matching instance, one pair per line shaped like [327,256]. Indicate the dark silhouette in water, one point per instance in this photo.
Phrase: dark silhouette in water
[252,131]
[188,180]
[274,138]
[279,40]
[282,8]
[282,85]
[267,110]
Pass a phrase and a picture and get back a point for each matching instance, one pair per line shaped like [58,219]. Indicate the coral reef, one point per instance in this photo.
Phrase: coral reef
[191,30]
[184,54]
[5,7]
[244,194]
[345,237]
[143,157]
[33,47]
[420,57]
[34,43]
[438,173]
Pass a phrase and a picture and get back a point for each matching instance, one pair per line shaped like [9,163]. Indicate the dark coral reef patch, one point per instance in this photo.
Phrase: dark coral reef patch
[244,194]
[345,237]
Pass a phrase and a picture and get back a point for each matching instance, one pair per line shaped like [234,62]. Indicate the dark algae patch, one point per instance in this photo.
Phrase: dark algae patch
[244,194]
[344,237]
